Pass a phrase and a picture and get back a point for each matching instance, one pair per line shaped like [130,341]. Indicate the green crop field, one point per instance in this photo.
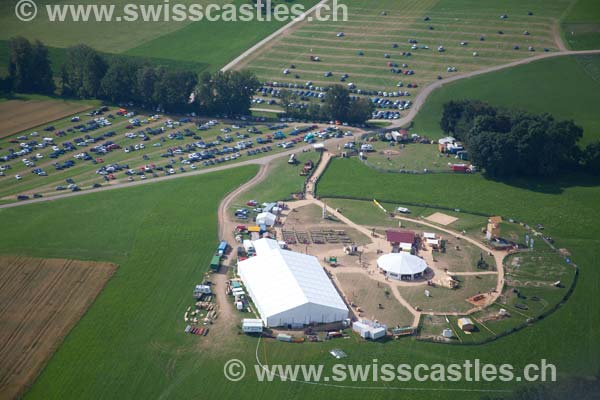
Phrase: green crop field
[198,45]
[581,25]
[162,236]
[373,29]
[564,87]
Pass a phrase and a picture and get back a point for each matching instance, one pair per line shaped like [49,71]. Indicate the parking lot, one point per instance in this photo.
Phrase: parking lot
[111,145]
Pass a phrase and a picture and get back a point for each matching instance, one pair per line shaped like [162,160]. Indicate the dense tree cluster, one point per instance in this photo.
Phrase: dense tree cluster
[29,69]
[227,93]
[87,73]
[508,143]
[338,105]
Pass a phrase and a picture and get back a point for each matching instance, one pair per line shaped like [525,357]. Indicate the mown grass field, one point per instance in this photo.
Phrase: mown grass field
[370,31]
[282,180]
[566,87]
[581,25]
[199,45]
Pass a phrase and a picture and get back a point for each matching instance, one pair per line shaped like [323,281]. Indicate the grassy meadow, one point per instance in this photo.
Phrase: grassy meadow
[581,25]
[566,87]
[202,45]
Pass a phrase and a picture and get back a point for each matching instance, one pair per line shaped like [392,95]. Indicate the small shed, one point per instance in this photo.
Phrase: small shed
[466,324]
[369,330]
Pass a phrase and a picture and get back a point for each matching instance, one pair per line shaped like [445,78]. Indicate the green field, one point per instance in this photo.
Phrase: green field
[198,45]
[566,206]
[130,344]
[162,236]
[581,25]
[282,180]
[374,28]
[564,87]
[59,54]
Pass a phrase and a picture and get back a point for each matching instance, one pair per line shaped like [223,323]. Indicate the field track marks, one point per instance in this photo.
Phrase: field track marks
[41,300]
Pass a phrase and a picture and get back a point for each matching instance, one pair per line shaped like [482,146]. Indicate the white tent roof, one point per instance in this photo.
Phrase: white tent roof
[401,263]
[281,280]
[266,218]
[446,140]
[265,246]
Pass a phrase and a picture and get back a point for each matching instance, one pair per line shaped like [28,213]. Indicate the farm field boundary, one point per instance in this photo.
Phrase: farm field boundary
[18,115]
[40,301]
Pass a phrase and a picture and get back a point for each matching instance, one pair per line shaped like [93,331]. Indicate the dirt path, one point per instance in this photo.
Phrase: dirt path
[257,161]
[380,243]
[281,31]
[557,36]
[498,255]
[310,186]
[227,316]
[427,90]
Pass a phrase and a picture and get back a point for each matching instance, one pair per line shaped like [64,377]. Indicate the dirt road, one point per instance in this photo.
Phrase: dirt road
[281,31]
[257,161]
[427,90]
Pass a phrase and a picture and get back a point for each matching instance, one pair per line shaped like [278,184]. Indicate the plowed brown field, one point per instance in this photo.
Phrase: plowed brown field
[19,115]
[40,301]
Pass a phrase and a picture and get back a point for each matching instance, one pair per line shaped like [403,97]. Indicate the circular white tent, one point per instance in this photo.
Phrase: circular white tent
[402,266]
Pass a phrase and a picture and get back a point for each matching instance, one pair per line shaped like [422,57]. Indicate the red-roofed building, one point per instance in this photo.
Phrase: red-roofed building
[402,239]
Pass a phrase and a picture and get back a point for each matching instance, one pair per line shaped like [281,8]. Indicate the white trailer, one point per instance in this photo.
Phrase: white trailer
[251,325]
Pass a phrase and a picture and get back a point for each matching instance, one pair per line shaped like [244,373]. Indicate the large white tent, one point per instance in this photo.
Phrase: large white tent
[290,288]
[402,266]
[266,218]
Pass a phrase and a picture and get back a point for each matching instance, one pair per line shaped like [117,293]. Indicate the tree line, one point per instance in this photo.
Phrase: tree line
[338,105]
[89,74]
[507,143]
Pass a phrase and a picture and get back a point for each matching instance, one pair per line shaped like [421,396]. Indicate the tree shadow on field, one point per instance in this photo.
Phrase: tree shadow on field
[554,185]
